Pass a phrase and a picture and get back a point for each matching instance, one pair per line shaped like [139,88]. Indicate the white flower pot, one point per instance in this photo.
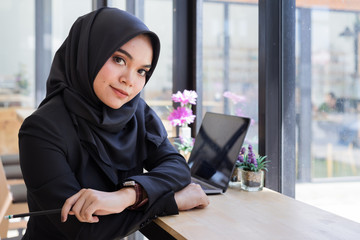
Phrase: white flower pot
[185,132]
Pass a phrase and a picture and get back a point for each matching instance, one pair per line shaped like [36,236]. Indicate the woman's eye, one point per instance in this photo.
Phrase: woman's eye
[142,72]
[119,60]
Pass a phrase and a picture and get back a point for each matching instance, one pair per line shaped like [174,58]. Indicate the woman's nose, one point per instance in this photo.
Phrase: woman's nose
[127,78]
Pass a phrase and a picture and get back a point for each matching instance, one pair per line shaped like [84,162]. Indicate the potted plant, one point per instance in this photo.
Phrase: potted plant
[252,169]
[185,146]
[182,116]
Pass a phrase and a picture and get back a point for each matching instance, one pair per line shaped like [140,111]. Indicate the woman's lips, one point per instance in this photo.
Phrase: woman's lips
[120,93]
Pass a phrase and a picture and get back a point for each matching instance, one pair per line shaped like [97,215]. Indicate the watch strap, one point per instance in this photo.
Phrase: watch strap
[141,196]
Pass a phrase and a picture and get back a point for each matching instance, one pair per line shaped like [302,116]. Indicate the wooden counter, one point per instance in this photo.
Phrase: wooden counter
[257,215]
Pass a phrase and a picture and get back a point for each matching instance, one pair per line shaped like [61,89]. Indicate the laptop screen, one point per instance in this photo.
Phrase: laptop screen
[216,148]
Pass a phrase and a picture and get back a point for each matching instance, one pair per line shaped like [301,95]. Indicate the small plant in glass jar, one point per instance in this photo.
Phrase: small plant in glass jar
[252,167]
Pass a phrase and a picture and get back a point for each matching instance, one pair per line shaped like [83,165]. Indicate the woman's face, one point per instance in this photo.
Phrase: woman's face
[124,74]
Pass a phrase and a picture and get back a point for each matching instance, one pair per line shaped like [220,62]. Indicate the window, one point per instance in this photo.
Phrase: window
[17,55]
[30,43]
[230,60]
[328,106]
[158,90]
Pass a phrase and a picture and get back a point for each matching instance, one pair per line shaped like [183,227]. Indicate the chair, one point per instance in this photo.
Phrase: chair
[11,164]
[5,195]
[9,150]
[12,201]
[11,180]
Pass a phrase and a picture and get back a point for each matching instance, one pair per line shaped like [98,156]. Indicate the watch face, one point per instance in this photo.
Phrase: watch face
[129,184]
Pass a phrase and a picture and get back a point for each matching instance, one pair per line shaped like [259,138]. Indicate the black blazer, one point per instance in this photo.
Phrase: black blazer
[55,167]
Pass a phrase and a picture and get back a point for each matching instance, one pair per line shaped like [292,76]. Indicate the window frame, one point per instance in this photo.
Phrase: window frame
[277,92]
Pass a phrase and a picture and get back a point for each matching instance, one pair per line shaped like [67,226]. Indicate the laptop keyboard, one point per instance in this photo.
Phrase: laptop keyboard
[204,185]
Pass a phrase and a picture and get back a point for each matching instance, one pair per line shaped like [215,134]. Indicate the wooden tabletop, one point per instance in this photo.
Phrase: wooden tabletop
[23,113]
[258,215]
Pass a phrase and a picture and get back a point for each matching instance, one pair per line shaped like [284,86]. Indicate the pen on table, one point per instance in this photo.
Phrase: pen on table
[38,213]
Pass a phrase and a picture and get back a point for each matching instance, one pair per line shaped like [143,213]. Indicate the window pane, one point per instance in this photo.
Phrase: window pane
[230,60]
[158,90]
[328,106]
[17,55]
[64,14]
[121,4]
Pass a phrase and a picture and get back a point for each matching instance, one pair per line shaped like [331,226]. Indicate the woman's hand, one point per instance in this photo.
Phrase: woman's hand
[192,196]
[89,202]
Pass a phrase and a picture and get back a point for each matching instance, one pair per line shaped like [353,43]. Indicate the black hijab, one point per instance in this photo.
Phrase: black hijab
[110,136]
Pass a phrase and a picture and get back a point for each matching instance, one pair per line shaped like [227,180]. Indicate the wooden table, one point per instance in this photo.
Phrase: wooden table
[23,113]
[254,215]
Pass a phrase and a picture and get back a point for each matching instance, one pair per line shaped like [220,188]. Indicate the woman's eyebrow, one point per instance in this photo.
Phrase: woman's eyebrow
[125,52]
[129,56]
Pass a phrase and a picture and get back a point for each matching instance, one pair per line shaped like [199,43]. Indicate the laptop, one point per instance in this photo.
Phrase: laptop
[216,148]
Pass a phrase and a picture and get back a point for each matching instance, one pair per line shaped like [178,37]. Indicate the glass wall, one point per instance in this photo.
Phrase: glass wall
[230,60]
[64,14]
[17,55]
[158,90]
[18,51]
[328,106]
[121,4]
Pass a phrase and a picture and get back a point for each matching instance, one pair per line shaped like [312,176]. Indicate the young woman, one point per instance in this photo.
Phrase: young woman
[84,149]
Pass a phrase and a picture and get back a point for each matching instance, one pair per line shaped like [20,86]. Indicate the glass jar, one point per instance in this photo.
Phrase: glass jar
[252,181]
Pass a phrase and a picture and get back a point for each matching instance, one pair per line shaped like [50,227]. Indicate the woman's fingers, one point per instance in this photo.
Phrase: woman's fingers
[89,202]
[78,205]
[68,205]
[89,206]
[88,213]
[85,206]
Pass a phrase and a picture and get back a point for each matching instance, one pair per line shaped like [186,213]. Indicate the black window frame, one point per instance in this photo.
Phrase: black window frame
[277,92]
